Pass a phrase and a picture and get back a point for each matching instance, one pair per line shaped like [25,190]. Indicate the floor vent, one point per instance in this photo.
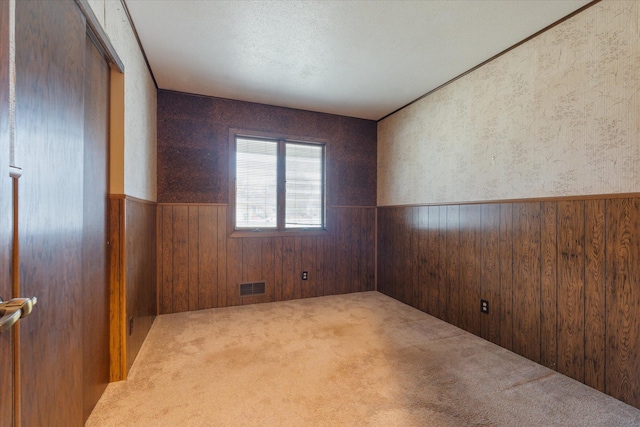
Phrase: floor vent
[257,288]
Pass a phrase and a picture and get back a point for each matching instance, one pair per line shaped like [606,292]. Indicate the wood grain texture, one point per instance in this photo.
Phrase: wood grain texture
[289,276]
[350,273]
[450,269]
[166,260]
[159,266]
[435,263]
[49,145]
[506,276]
[297,267]
[62,87]
[279,271]
[309,251]
[442,292]
[194,257]
[207,257]
[570,328]
[201,267]
[560,275]
[414,251]
[234,271]
[180,258]
[389,242]
[549,285]
[594,290]
[329,257]
[140,267]
[344,268]
[193,147]
[468,284]
[253,268]
[269,266]
[320,266]
[526,280]
[622,254]
[423,259]
[6,217]
[490,271]
[95,288]
[368,224]
[384,246]
[222,256]
[403,251]
[117,290]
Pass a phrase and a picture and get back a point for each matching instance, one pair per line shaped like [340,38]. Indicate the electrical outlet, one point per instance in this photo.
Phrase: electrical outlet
[131,325]
[305,275]
[484,306]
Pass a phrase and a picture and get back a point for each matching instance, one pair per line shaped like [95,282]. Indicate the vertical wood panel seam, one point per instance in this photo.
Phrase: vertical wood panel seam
[375,251]
[173,236]
[584,293]
[159,243]
[499,334]
[188,263]
[512,276]
[480,270]
[557,284]
[198,303]
[562,320]
[457,274]
[540,290]
[604,304]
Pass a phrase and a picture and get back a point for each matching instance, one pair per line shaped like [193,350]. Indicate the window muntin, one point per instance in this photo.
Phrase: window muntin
[279,185]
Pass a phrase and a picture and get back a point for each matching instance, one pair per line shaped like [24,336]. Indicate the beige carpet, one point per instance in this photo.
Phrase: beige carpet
[350,360]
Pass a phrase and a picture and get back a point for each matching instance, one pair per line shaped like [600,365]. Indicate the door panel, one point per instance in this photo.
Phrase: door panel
[50,49]
[94,246]
[6,219]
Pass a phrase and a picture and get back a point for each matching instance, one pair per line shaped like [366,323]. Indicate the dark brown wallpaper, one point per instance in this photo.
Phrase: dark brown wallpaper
[193,145]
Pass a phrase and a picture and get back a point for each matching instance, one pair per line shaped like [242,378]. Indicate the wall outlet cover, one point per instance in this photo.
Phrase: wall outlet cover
[484,306]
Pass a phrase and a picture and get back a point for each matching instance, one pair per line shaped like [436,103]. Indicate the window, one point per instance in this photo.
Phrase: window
[279,184]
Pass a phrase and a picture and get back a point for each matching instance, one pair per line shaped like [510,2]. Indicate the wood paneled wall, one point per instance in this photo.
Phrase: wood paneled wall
[95,289]
[140,255]
[117,289]
[562,278]
[132,254]
[200,267]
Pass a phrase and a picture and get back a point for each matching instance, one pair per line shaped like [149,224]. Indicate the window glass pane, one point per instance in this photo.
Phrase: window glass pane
[256,183]
[303,186]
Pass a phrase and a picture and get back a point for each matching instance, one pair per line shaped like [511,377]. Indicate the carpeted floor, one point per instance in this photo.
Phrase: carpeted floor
[349,360]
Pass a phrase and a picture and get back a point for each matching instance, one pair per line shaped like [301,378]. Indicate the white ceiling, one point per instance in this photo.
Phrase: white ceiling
[354,58]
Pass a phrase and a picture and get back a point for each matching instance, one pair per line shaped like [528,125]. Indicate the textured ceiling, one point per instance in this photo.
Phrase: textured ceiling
[355,58]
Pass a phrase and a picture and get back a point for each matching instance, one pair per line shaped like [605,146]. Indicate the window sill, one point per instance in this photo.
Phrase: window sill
[276,233]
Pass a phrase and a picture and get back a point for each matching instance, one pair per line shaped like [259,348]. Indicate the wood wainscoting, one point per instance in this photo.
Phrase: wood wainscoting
[562,278]
[132,255]
[200,267]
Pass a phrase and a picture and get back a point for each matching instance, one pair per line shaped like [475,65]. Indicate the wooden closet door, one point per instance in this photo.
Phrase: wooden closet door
[49,140]
[6,220]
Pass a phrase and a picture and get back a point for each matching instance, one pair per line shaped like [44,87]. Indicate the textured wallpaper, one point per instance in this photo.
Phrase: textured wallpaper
[557,116]
[140,103]
[193,147]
